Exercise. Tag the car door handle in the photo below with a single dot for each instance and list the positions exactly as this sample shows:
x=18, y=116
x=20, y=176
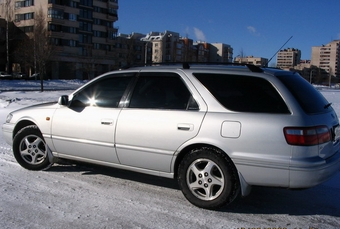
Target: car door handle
x=108, y=122
x=185, y=126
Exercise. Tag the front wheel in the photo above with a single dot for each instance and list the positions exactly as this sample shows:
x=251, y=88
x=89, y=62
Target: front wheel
x=208, y=178
x=30, y=149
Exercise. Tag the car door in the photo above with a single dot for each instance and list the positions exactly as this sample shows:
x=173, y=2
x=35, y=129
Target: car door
x=85, y=128
x=160, y=117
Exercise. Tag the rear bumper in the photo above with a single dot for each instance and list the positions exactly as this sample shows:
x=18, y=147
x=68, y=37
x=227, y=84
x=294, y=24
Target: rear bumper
x=315, y=171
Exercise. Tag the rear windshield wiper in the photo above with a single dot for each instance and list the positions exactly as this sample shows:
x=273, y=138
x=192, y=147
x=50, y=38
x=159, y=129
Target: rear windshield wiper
x=327, y=105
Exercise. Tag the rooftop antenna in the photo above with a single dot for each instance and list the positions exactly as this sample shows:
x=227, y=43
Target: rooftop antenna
x=279, y=50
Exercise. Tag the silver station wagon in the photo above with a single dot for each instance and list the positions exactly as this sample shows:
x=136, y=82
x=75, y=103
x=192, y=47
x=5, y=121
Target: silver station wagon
x=218, y=130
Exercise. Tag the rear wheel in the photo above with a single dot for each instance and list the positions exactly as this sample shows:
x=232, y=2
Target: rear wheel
x=30, y=149
x=208, y=178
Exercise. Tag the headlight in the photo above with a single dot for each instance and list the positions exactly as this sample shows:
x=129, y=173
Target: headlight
x=9, y=117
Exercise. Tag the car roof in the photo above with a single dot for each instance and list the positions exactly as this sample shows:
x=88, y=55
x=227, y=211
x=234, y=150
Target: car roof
x=209, y=66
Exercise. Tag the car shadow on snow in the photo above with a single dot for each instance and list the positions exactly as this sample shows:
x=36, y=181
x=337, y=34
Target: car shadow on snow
x=320, y=200
x=91, y=169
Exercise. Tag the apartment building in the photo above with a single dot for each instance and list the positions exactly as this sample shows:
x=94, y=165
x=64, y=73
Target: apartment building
x=327, y=57
x=131, y=50
x=258, y=61
x=220, y=52
x=288, y=58
x=202, y=51
x=82, y=30
x=166, y=46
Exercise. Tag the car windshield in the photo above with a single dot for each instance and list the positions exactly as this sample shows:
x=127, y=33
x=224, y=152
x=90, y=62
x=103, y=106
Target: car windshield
x=311, y=100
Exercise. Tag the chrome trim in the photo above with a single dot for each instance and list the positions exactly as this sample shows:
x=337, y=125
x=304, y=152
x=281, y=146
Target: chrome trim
x=84, y=141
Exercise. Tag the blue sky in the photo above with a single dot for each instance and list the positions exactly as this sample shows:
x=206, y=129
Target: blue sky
x=254, y=27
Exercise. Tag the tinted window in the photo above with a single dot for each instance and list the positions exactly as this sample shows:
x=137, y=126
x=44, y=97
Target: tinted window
x=243, y=93
x=160, y=91
x=307, y=96
x=106, y=92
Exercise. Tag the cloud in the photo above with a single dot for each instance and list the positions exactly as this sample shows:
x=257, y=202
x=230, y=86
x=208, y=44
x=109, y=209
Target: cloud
x=199, y=34
x=253, y=30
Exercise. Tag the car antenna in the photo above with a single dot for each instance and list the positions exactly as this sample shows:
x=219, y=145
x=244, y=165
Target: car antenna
x=278, y=50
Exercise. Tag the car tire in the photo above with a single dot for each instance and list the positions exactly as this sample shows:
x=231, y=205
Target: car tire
x=208, y=178
x=30, y=149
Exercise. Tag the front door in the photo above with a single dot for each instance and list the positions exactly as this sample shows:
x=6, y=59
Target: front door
x=85, y=128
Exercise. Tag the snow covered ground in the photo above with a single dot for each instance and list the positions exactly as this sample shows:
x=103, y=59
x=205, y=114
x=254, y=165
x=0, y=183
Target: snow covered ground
x=84, y=196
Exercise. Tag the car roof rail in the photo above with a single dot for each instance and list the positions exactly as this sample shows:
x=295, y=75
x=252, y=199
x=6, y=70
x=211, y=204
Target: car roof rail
x=186, y=65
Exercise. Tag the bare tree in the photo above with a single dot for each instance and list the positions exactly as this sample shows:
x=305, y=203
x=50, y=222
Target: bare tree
x=43, y=48
x=7, y=9
x=89, y=62
x=242, y=53
x=23, y=53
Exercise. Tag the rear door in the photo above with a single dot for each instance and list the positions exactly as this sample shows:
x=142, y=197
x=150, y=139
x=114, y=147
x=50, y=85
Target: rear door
x=160, y=117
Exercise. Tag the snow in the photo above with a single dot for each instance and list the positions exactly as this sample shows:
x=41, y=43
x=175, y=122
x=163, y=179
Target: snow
x=86, y=196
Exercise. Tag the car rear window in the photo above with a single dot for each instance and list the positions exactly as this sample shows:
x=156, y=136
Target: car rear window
x=310, y=99
x=243, y=93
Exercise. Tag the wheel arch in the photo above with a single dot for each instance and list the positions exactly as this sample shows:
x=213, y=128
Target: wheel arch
x=188, y=148
x=21, y=124
x=245, y=188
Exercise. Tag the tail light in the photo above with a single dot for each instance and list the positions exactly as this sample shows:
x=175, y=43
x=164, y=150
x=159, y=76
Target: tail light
x=307, y=136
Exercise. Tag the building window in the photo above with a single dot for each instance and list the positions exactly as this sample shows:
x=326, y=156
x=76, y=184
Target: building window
x=72, y=30
x=21, y=17
x=96, y=46
x=54, y=28
x=86, y=2
x=84, y=38
x=112, y=12
x=85, y=14
x=24, y=4
x=112, y=35
x=85, y=26
x=72, y=17
x=54, y=13
x=73, y=43
x=56, y=41
x=73, y=4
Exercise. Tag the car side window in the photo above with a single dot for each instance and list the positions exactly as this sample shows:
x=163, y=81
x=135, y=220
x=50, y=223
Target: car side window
x=161, y=91
x=106, y=92
x=244, y=93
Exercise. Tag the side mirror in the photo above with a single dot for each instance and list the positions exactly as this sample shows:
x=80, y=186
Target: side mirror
x=63, y=100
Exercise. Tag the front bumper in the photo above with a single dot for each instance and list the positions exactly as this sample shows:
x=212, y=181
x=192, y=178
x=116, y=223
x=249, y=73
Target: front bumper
x=7, y=132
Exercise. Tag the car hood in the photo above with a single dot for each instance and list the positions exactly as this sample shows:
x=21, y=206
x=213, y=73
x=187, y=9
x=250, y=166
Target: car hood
x=38, y=106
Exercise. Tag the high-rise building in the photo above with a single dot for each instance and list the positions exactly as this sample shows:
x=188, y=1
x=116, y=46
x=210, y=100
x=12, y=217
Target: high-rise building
x=82, y=30
x=327, y=57
x=288, y=58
